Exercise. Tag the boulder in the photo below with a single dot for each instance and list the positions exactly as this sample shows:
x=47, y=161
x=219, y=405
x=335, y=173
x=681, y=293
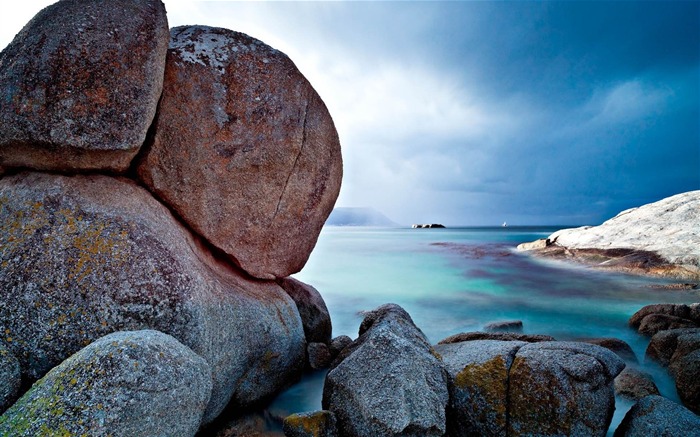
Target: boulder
x=663, y=344
x=339, y=343
x=685, y=370
x=634, y=384
x=503, y=336
x=562, y=388
x=658, y=416
x=243, y=149
x=316, y=424
x=84, y=256
x=683, y=311
x=312, y=309
x=126, y=384
x=533, y=245
x=504, y=326
x=389, y=381
x=10, y=378
x=255, y=424
x=319, y=355
x=80, y=85
x=478, y=385
x=654, y=323
x=620, y=347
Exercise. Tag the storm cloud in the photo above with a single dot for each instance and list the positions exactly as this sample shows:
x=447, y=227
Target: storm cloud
x=475, y=113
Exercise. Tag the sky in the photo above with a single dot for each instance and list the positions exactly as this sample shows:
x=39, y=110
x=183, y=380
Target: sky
x=476, y=113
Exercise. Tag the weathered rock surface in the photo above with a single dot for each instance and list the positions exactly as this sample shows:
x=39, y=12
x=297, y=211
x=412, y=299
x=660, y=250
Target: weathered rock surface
x=319, y=355
x=80, y=85
x=504, y=336
x=339, y=343
x=504, y=326
x=84, y=256
x=388, y=382
x=654, y=323
x=620, y=347
x=10, y=378
x=685, y=370
x=312, y=309
x=658, y=416
x=316, y=424
x=125, y=384
x=663, y=344
x=478, y=385
x=244, y=150
x=634, y=384
x=660, y=238
x=655, y=318
x=562, y=388
x=253, y=424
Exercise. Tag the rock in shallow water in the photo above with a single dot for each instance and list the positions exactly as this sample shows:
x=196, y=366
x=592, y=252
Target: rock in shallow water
x=139, y=383
x=388, y=382
x=244, y=149
x=634, y=384
x=316, y=424
x=80, y=85
x=84, y=256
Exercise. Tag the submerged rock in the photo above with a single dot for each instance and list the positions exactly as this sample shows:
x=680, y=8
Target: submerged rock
x=244, y=150
x=312, y=309
x=388, y=382
x=478, y=385
x=634, y=384
x=80, y=85
x=84, y=256
x=504, y=326
x=658, y=416
x=10, y=378
x=660, y=238
x=316, y=424
x=562, y=388
x=126, y=384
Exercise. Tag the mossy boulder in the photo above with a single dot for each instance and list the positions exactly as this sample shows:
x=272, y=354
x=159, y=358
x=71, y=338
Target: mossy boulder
x=138, y=383
x=10, y=378
x=315, y=424
x=478, y=385
x=84, y=256
x=389, y=382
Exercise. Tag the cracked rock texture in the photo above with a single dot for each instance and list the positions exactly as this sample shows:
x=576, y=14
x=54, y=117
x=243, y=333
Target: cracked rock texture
x=243, y=149
x=84, y=256
x=79, y=85
x=108, y=388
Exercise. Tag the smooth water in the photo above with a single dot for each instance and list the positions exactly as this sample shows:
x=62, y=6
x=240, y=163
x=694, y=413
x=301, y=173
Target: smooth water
x=458, y=279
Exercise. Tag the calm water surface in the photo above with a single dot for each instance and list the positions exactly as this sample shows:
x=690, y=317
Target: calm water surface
x=458, y=279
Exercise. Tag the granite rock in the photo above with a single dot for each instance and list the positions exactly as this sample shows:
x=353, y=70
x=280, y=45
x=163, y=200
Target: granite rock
x=634, y=384
x=658, y=416
x=315, y=424
x=10, y=378
x=312, y=309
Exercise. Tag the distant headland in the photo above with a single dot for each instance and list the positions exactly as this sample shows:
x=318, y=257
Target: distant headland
x=358, y=216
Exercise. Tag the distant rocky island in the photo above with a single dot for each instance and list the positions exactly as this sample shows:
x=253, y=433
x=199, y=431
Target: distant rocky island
x=427, y=226
x=358, y=216
x=657, y=239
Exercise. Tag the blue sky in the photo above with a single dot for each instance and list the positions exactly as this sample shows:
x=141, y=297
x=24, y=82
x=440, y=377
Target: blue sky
x=477, y=113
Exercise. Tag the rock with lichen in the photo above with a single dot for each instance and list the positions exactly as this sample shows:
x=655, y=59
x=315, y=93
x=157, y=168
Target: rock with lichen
x=634, y=384
x=84, y=256
x=562, y=388
x=478, y=385
x=130, y=383
x=10, y=378
x=389, y=382
x=243, y=149
x=315, y=424
x=80, y=85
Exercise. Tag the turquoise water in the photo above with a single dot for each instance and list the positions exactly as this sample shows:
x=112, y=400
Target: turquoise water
x=458, y=279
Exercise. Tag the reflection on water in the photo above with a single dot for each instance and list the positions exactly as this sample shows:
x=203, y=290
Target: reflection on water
x=456, y=280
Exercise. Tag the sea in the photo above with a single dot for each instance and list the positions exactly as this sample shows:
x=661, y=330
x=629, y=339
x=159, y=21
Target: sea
x=458, y=279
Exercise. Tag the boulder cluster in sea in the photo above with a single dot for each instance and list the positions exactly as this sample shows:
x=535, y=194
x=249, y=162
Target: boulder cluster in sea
x=157, y=188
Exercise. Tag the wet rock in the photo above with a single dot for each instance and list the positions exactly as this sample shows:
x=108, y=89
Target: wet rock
x=620, y=347
x=503, y=336
x=654, y=323
x=634, y=384
x=338, y=344
x=316, y=424
x=685, y=370
x=478, y=385
x=504, y=326
x=562, y=388
x=404, y=390
x=312, y=309
x=10, y=378
x=689, y=312
x=663, y=344
x=658, y=416
x=126, y=383
x=84, y=256
x=81, y=82
x=319, y=355
x=244, y=150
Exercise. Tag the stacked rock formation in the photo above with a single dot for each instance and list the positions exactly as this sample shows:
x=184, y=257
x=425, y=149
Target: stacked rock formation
x=118, y=213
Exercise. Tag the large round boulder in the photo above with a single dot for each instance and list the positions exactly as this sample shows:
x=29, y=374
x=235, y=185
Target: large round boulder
x=389, y=381
x=243, y=149
x=80, y=85
x=137, y=383
x=562, y=388
x=658, y=416
x=84, y=256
